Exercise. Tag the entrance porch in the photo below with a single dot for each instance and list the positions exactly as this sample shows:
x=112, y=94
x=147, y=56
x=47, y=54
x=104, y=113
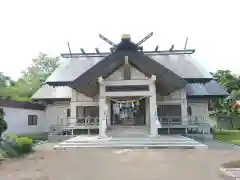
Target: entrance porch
x=128, y=105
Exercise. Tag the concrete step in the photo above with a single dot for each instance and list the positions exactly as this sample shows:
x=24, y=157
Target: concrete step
x=128, y=143
x=141, y=138
x=131, y=142
x=135, y=146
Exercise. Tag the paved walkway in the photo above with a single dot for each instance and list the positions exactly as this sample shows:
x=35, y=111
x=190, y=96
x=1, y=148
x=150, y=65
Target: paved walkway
x=217, y=145
x=109, y=164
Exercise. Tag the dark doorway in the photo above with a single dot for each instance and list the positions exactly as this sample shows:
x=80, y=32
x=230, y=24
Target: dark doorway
x=129, y=114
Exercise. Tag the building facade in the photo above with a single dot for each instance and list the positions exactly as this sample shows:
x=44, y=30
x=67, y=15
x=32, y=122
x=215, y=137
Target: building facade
x=162, y=92
x=24, y=118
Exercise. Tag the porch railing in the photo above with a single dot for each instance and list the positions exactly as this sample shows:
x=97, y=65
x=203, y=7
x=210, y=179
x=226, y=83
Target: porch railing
x=177, y=120
x=79, y=122
x=85, y=121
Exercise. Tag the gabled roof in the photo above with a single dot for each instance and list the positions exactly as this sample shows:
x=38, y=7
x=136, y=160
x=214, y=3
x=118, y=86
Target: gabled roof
x=166, y=80
x=183, y=65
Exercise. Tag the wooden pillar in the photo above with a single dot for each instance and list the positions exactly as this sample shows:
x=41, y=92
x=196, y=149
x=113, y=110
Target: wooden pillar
x=184, y=107
x=73, y=118
x=102, y=109
x=152, y=109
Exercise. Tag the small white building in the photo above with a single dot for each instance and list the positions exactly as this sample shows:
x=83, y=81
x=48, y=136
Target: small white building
x=24, y=118
x=161, y=92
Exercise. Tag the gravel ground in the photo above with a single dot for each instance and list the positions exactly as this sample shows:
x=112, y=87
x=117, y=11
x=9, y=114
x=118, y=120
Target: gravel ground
x=109, y=164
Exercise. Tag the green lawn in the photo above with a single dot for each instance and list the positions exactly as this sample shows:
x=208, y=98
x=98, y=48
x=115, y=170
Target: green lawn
x=229, y=136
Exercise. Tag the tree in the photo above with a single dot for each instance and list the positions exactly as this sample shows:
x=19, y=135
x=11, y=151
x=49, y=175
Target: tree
x=225, y=107
x=227, y=79
x=5, y=82
x=3, y=123
x=33, y=77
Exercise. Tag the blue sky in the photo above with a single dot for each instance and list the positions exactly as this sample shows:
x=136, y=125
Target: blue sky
x=29, y=27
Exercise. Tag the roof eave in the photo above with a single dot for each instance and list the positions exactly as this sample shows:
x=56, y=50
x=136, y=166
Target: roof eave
x=59, y=83
x=198, y=80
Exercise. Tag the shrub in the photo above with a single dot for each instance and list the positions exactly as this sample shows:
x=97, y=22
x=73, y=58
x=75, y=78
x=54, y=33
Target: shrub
x=23, y=145
x=3, y=123
x=7, y=149
x=15, y=145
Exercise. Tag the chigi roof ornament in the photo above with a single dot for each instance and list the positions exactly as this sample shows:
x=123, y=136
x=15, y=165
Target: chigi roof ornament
x=126, y=44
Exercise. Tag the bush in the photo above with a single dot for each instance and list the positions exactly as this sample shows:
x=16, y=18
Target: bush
x=15, y=145
x=7, y=150
x=23, y=145
x=3, y=123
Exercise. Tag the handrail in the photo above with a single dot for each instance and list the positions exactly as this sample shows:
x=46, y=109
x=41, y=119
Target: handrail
x=87, y=121
x=177, y=120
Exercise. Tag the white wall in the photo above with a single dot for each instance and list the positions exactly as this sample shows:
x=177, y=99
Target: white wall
x=17, y=120
x=199, y=110
x=56, y=114
x=176, y=98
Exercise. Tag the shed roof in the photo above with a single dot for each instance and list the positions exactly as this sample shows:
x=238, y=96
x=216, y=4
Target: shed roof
x=211, y=88
x=49, y=92
x=20, y=104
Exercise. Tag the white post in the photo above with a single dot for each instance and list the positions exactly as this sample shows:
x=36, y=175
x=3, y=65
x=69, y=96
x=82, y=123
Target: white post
x=184, y=106
x=153, y=105
x=102, y=109
x=73, y=118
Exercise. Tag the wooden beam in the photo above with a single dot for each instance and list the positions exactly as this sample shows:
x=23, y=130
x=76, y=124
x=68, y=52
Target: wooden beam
x=104, y=54
x=128, y=82
x=97, y=51
x=128, y=93
x=82, y=50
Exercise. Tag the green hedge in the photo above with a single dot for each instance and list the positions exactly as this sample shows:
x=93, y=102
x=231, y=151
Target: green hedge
x=14, y=146
x=23, y=145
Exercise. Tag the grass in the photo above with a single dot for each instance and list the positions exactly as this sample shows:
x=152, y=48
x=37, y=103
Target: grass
x=228, y=136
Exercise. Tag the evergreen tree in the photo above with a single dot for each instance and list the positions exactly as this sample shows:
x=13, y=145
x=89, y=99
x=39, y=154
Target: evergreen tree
x=3, y=123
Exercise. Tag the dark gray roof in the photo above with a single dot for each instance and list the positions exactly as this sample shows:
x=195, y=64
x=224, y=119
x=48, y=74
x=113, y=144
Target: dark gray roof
x=183, y=65
x=72, y=68
x=212, y=88
x=49, y=92
x=166, y=80
x=21, y=105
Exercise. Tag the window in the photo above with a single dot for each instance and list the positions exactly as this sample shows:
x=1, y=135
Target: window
x=32, y=119
x=169, y=113
x=68, y=113
x=85, y=111
x=210, y=105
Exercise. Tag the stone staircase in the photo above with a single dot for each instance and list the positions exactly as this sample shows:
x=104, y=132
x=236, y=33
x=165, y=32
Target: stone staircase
x=126, y=131
x=131, y=142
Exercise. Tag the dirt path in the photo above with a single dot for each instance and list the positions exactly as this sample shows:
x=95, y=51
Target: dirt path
x=109, y=164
